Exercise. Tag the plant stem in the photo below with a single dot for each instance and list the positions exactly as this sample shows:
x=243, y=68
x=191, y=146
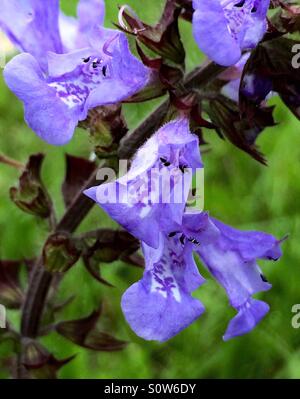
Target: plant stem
x=11, y=162
x=40, y=281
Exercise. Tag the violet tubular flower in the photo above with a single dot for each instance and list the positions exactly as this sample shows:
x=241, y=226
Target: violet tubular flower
x=151, y=197
x=160, y=304
x=59, y=95
x=232, y=261
x=223, y=29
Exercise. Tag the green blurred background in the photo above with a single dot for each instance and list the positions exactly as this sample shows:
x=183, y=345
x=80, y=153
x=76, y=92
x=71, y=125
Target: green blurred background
x=239, y=191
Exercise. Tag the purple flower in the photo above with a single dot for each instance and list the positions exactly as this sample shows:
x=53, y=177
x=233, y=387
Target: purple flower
x=232, y=260
x=76, y=82
x=36, y=26
x=223, y=29
x=151, y=198
x=160, y=304
x=58, y=90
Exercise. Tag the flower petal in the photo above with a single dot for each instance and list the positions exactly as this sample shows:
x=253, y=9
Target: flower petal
x=258, y=27
x=231, y=259
x=127, y=74
x=75, y=32
x=234, y=75
x=239, y=278
x=32, y=25
x=249, y=244
x=200, y=226
x=90, y=13
x=151, y=197
x=49, y=117
x=160, y=305
x=249, y=315
x=223, y=29
x=212, y=34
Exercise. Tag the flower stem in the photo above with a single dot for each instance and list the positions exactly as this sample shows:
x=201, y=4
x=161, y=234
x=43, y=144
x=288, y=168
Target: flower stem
x=41, y=279
x=11, y=162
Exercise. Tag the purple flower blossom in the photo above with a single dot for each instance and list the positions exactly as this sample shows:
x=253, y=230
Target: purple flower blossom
x=225, y=28
x=76, y=82
x=151, y=198
x=232, y=260
x=59, y=89
x=160, y=304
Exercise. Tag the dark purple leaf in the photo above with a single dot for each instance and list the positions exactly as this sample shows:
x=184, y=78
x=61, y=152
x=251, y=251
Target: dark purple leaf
x=84, y=332
x=242, y=132
x=39, y=363
x=31, y=196
x=270, y=68
x=11, y=294
x=107, y=127
x=163, y=38
x=60, y=253
x=78, y=171
x=106, y=246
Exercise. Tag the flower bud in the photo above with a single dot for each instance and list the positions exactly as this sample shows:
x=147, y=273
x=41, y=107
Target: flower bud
x=11, y=294
x=85, y=333
x=31, y=196
x=60, y=253
x=39, y=363
x=107, y=127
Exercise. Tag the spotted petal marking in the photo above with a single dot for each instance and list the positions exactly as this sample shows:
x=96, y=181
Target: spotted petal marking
x=163, y=272
x=160, y=305
x=73, y=88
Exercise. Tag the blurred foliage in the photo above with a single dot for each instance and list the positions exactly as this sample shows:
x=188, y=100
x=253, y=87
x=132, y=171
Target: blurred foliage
x=239, y=191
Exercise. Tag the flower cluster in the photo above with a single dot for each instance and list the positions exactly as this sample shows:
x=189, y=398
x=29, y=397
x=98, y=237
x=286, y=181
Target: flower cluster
x=160, y=305
x=69, y=66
